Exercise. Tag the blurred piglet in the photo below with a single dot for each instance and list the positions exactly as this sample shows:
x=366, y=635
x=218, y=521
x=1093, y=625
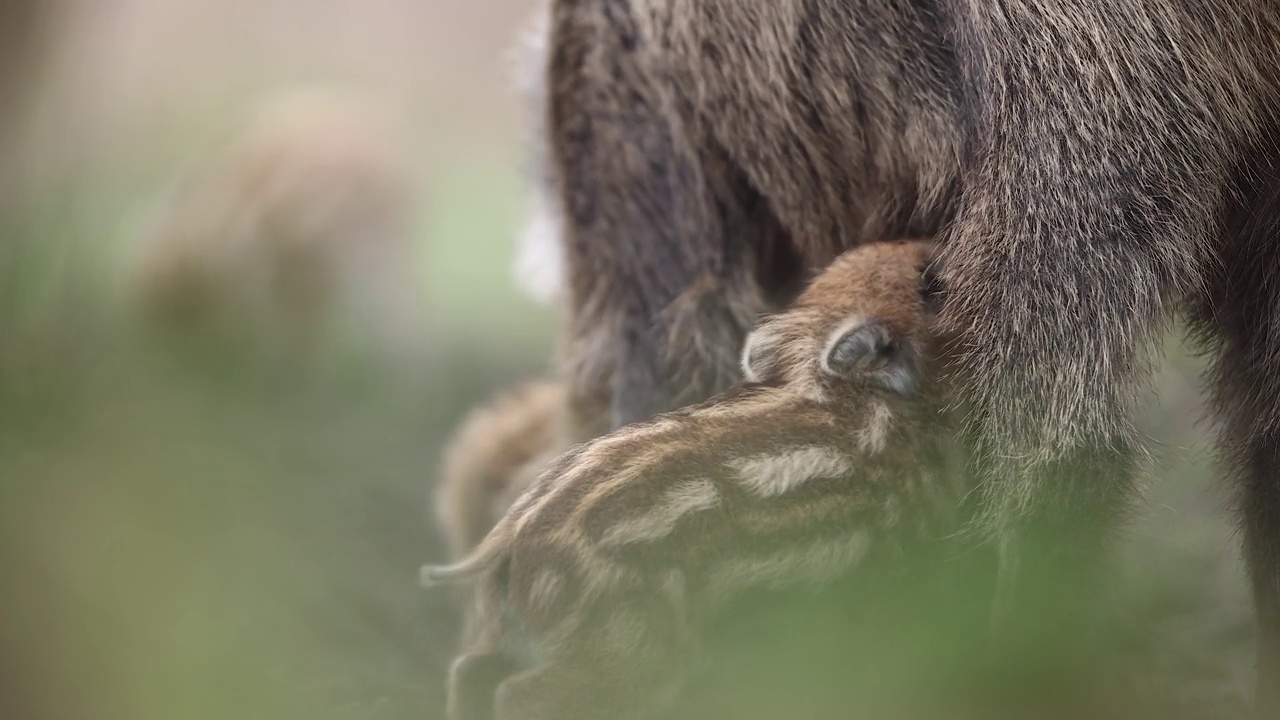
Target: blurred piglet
x=295, y=240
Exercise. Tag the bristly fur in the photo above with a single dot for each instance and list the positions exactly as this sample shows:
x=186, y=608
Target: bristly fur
x=590, y=588
x=1086, y=166
x=493, y=455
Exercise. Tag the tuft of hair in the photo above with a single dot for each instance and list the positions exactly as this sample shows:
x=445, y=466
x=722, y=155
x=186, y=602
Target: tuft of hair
x=539, y=266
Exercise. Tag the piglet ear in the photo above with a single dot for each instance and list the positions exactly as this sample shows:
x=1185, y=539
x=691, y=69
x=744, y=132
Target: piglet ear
x=760, y=354
x=872, y=352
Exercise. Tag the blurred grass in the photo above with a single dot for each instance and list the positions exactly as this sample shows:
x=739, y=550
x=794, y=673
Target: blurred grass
x=481, y=203
x=195, y=534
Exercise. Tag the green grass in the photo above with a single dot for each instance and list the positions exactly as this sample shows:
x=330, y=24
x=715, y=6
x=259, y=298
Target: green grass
x=197, y=535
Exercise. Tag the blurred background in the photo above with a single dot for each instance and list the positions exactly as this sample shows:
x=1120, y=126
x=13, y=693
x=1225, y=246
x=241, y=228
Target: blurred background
x=256, y=264
x=199, y=520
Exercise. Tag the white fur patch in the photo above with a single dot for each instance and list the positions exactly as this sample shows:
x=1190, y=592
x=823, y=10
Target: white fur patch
x=873, y=439
x=898, y=379
x=658, y=522
x=529, y=55
x=816, y=562
x=545, y=589
x=539, y=265
x=773, y=475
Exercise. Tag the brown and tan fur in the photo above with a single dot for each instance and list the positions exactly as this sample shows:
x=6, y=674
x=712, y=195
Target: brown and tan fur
x=592, y=587
x=1090, y=169
x=301, y=220
x=494, y=455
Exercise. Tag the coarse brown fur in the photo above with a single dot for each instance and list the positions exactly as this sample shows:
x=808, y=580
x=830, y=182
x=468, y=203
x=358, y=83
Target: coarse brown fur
x=1090, y=169
x=592, y=587
x=540, y=261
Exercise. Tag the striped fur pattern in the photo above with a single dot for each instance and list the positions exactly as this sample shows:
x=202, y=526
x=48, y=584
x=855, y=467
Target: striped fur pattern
x=495, y=454
x=592, y=586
